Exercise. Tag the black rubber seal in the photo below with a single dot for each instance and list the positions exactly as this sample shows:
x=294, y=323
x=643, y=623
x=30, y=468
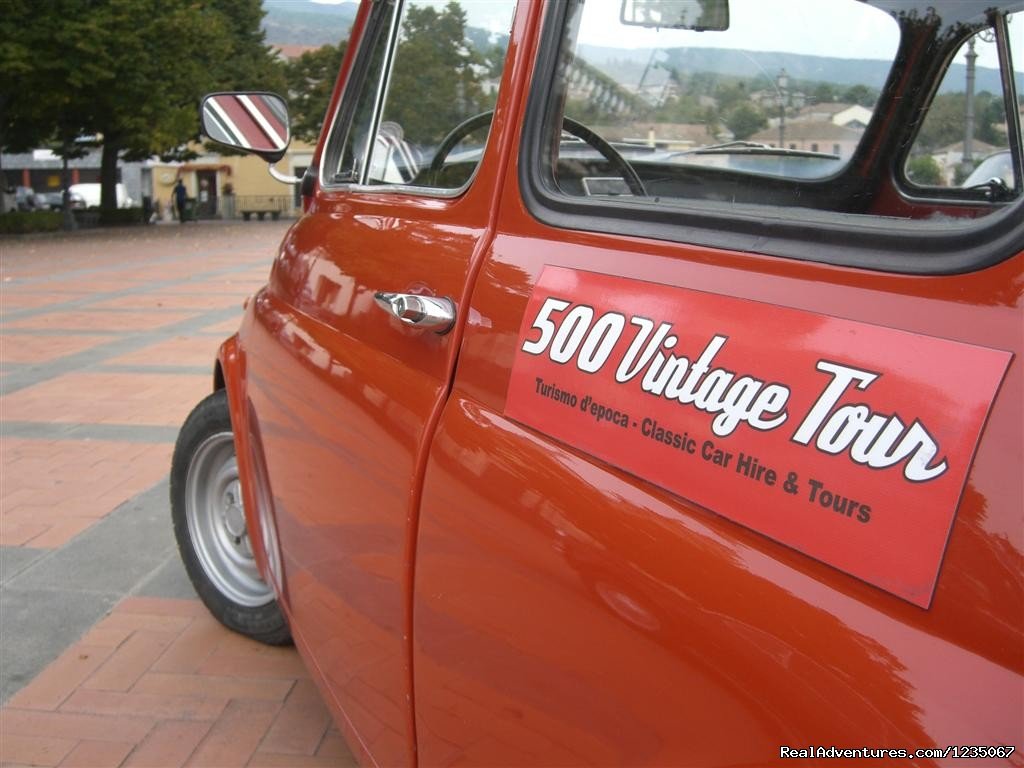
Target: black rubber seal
x=936, y=246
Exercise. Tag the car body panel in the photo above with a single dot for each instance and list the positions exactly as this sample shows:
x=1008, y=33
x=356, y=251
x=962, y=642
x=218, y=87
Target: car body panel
x=344, y=398
x=645, y=626
x=607, y=567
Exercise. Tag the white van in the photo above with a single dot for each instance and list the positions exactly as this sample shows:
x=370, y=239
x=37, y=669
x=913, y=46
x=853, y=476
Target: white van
x=88, y=196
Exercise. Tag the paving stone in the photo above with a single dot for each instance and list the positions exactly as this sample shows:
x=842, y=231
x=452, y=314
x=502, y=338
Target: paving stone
x=13, y=560
x=106, y=656
x=34, y=750
x=109, y=398
x=99, y=321
x=188, y=350
x=169, y=580
x=97, y=754
x=114, y=555
x=169, y=744
x=25, y=722
x=26, y=348
x=301, y=724
x=234, y=737
x=36, y=627
x=128, y=663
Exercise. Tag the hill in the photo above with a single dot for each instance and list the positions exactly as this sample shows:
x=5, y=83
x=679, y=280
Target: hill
x=308, y=23
x=627, y=64
x=292, y=23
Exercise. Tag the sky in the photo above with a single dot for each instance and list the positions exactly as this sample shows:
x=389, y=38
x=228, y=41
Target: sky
x=846, y=25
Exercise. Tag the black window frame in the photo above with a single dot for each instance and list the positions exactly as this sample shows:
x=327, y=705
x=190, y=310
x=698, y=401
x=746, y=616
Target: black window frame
x=359, y=78
x=339, y=133
x=955, y=195
x=916, y=247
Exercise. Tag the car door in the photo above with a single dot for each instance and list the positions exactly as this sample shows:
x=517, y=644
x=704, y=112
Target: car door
x=342, y=390
x=618, y=566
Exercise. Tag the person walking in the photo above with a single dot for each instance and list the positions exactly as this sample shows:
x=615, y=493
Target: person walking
x=179, y=200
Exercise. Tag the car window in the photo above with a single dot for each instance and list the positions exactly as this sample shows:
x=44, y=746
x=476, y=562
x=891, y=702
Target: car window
x=963, y=142
x=427, y=97
x=783, y=125
x=348, y=148
x=752, y=98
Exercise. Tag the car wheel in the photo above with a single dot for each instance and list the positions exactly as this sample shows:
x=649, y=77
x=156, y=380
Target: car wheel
x=209, y=524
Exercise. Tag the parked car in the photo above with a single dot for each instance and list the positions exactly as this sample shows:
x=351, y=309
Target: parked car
x=88, y=195
x=549, y=448
x=54, y=200
x=27, y=199
x=996, y=168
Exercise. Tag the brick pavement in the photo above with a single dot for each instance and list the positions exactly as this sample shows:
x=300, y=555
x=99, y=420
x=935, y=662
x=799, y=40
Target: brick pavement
x=107, y=339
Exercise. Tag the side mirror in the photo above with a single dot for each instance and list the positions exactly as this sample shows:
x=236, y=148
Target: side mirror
x=256, y=123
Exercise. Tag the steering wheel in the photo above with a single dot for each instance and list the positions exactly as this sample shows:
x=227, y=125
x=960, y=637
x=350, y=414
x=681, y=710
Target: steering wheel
x=570, y=126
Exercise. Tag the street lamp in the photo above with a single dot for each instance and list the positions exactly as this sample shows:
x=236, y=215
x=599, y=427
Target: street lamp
x=967, y=156
x=781, y=87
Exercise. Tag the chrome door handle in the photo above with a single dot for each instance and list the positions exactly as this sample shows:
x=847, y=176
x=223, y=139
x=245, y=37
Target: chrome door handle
x=421, y=311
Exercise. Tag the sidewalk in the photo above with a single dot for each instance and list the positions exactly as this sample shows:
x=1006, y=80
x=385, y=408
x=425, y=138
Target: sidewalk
x=107, y=340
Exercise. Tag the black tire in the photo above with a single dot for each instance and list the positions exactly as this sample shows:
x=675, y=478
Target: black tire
x=210, y=528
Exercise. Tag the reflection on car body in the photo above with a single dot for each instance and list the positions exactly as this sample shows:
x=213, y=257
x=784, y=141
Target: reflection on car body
x=552, y=445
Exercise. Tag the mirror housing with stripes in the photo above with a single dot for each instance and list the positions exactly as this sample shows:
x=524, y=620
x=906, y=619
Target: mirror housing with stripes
x=252, y=122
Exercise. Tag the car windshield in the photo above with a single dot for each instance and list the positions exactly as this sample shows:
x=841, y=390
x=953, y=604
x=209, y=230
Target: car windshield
x=786, y=89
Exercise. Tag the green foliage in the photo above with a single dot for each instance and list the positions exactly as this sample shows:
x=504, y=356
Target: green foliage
x=744, y=120
x=924, y=171
x=730, y=95
x=946, y=122
x=681, y=108
x=731, y=105
x=310, y=81
x=25, y=222
x=990, y=112
x=823, y=93
x=249, y=64
x=130, y=72
x=860, y=94
x=435, y=84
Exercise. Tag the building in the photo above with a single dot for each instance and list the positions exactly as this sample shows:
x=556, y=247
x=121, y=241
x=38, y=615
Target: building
x=41, y=170
x=813, y=136
x=847, y=115
x=232, y=186
x=244, y=179
x=951, y=157
x=670, y=136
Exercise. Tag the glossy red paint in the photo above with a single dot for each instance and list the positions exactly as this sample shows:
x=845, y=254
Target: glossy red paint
x=848, y=441
x=724, y=631
x=470, y=587
x=357, y=432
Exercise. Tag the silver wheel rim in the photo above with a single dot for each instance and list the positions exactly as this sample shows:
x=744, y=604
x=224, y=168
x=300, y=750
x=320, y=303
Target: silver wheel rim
x=216, y=523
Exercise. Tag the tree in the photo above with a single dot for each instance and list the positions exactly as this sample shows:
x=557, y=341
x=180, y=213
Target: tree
x=310, y=80
x=946, y=121
x=436, y=79
x=129, y=72
x=823, y=93
x=729, y=95
x=860, y=94
x=40, y=96
x=924, y=171
x=990, y=116
x=249, y=64
x=744, y=120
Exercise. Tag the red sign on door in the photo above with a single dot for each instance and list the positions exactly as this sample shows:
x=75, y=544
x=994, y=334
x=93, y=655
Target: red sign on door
x=849, y=442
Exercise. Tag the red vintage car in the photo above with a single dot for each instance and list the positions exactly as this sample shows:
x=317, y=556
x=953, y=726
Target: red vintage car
x=640, y=386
